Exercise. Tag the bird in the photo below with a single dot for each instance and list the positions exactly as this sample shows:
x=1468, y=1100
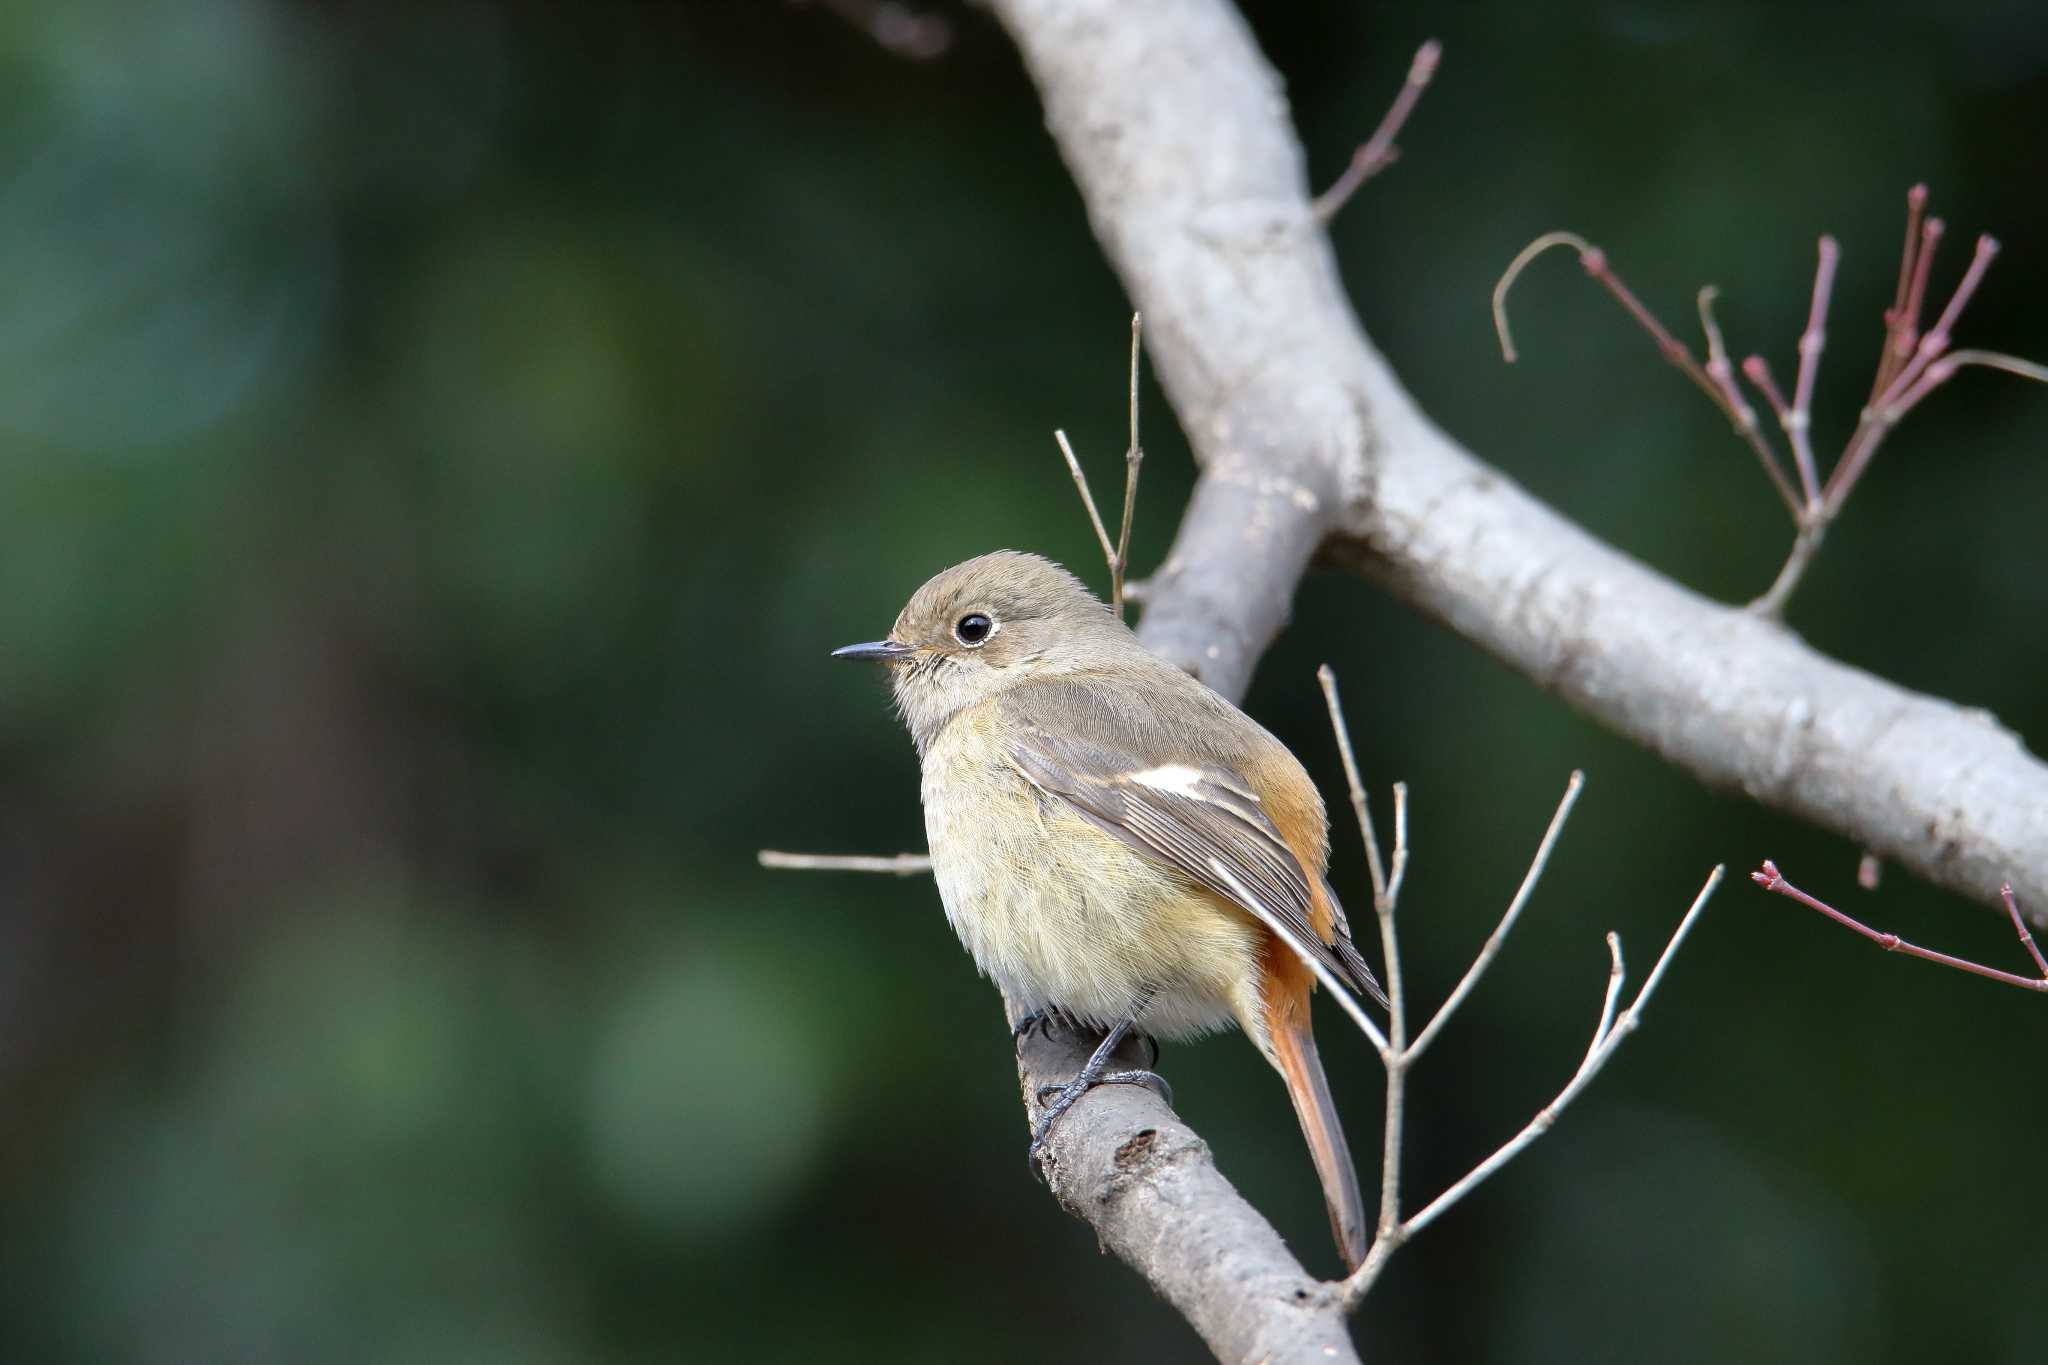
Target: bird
x=1116, y=845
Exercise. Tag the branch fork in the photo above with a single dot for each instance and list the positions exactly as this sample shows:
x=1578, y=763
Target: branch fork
x=1117, y=555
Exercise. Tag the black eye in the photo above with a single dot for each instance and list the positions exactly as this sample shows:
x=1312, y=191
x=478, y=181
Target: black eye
x=973, y=628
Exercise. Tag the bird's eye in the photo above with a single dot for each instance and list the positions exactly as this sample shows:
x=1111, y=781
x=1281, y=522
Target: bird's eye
x=974, y=628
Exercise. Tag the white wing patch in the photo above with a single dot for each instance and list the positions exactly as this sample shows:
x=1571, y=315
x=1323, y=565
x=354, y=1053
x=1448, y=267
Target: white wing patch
x=1173, y=777
x=1183, y=781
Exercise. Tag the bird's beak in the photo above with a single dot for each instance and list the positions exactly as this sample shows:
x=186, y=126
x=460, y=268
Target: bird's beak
x=876, y=651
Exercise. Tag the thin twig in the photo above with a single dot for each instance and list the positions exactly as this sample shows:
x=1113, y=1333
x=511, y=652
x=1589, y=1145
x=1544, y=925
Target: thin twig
x=1910, y=366
x=1879, y=417
x=2012, y=907
x=1937, y=341
x=1491, y=948
x=1087, y=500
x=1394, y=1058
x=1134, y=455
x=1723, y=374
x=1386, y=891
x=1807, y=514
x=1804, y=546
x=1398, y=1055
x=1757, y=371
x=1327, y=677
x=1799, y=421
x=1594, y=262
x=1514, y=271
x=1397, y=866
x=1895, y=316
x=1770, y=879
x=1379, y=152
x=1908, y=333
x=1596, y=1057
x=1116, y=556
x=902, y=865
x=1608, y=1035
x=1616, y=974
x=1938, y=373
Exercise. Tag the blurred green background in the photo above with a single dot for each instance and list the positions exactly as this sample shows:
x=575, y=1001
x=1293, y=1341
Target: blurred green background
x=440, y=446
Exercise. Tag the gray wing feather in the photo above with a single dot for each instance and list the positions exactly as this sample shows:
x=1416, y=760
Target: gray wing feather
x=1206, y=814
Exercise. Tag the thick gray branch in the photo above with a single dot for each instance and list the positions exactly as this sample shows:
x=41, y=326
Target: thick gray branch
x=1122, y=1162
x=1176, y=132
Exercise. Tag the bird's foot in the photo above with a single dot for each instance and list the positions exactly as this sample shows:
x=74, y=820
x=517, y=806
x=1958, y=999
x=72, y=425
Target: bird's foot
x=1058, y=1099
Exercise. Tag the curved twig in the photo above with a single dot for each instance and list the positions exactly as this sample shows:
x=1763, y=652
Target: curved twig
x=1514, y=271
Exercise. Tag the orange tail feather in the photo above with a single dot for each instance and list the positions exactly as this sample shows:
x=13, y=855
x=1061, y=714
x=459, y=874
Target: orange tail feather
x=1294, y=1054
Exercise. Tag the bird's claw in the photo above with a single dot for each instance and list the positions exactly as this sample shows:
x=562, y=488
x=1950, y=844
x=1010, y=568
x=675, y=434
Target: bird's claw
x=1058, y=1099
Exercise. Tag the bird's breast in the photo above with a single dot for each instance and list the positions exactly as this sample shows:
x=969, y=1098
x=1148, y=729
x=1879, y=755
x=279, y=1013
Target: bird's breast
x=1062, y=915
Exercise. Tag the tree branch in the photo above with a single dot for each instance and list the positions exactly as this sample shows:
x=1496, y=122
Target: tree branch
x=1770, y=879
x=1175, y=131
x=1194, y=184
x=1144, y=1181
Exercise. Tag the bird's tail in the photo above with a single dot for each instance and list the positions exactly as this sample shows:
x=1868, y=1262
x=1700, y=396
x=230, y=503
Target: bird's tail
x=1294, y=1054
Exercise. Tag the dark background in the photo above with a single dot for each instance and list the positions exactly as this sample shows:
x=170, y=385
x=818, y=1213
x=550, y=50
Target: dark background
x=440, y=446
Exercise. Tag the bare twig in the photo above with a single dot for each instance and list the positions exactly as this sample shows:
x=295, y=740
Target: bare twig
x=902, y=865
x=1939, y=372
x=1757, y=371
x=1134, y=455
x=2019, y=924
x=1491, y=948
x=1770, y=879
x=1906, y=331
x=1896, y=318
x=1385, y=891
x=1594, y=261
x=1394, y=1055
x=1514, y=272
x=1910, y=365
x=1087, y=499
x=1116, y=556
x=1327, y=677
x=1771, y=604
x=1605, y=1041
x=1722, y=391
x=1882, y=415
x=1398, y=1055
x=1799, y=420
x=1379, y=152
x=1738, y=408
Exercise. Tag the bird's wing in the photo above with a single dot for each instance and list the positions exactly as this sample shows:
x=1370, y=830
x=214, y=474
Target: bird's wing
x=1190, y=815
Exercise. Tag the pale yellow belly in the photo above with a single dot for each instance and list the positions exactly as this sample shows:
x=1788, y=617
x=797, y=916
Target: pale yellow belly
x=1061, y=915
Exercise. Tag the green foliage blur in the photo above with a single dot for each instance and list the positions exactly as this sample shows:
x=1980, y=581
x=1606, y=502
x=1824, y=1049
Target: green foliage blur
x=438, y=446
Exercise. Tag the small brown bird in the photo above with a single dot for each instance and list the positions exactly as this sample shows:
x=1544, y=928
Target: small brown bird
x=1115, y=843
